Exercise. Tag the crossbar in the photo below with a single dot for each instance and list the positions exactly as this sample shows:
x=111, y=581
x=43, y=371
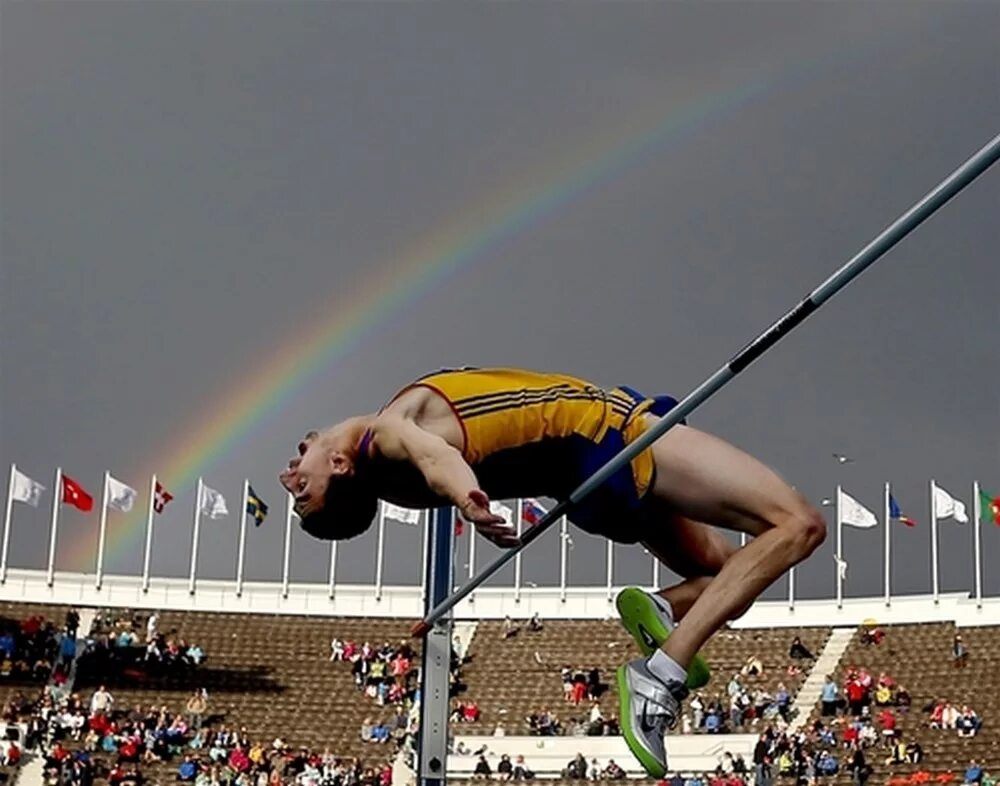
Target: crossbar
x=889, y=237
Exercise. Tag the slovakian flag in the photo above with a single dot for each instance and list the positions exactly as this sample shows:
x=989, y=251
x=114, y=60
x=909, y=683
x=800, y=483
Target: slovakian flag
x=532, y=511
x=895, y=512
x=989, y=504
x=76, y=495
x=161, y=497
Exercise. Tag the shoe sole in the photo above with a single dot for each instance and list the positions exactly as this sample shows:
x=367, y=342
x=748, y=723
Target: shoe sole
x=652, y=767
x=640, y=617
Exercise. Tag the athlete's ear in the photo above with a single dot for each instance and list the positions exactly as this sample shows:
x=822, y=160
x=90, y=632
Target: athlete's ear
x=340, y=464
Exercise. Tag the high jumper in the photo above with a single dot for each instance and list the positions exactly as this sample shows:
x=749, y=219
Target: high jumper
x=464, y=436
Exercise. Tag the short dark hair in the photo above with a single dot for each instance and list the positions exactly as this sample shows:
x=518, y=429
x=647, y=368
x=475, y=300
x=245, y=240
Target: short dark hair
x=349, y=508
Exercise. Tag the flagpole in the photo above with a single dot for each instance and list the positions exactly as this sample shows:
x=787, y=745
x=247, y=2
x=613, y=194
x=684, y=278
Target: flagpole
x=977, y=510
x=102, y=533
x=379, y=551
x=656, y=573
x=840, y=552
x=934, y=547
x=8, y=509
x=54, y=526
x=241, y=548
x=149, y=535
x=194, y=535
x=888, y=545
x=472, y=559
x=791, y=587
x=286, y=559
x=517, y=559
x=563, y=548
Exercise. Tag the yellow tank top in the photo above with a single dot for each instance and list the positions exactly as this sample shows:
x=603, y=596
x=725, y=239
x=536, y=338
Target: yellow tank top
x=501, y=408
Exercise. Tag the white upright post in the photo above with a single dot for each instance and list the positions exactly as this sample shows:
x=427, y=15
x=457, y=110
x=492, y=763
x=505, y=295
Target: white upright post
x=148, y=550
x=656, y=573
x=840, y=553
x=102, y=534
x=743, y=539
x=8, y=509
x=977, y=510
x=333, y=568
x=563, y=548
x=54, y=525
x=791, y=587
x=379, y=551
x=610, y=559
x=517, y=558
x=195, y=531
x=241, y=546
x=286, y=561
x=935, y=586
x=888, y=545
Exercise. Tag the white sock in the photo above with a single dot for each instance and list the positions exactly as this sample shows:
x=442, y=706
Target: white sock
x=665, y=668
x=664, y=605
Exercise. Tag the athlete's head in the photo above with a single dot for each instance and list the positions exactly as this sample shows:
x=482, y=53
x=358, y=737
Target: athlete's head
x=332, y=501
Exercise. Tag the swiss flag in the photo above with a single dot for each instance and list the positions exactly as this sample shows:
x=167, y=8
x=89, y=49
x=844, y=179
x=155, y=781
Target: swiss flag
x=161, y=498
x=74, y=494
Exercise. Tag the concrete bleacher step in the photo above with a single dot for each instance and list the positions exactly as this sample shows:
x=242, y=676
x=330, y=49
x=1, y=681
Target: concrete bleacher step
x=31, y=772
x=826, y=663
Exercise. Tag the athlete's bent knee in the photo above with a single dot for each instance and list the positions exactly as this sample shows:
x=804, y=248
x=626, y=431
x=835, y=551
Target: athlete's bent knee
x=810, y=530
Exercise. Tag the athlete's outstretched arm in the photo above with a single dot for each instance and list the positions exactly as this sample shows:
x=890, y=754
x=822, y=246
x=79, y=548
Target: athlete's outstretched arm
x=444, y=468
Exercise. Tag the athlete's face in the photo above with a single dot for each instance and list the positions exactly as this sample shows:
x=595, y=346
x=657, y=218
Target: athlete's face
x=308, y=474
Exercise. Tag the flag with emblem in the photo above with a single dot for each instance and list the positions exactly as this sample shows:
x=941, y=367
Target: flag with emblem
x=256, y=508
x=161, y=497
x=989, y=506
x=947, y=507
x=24, y=489
x=211, y=503
x=76, y=495
x=532, y=511
x=120, y=496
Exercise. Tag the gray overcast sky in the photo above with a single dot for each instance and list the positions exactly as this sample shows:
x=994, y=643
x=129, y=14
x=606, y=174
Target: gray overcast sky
x=187, y=188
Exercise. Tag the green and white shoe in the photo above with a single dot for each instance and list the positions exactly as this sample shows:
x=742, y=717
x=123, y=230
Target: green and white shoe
x=650, y=623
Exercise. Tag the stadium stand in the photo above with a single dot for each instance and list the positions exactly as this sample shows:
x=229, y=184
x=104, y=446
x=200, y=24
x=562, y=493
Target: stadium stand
x=271, y=676
x=920, y=658
x=511, y=678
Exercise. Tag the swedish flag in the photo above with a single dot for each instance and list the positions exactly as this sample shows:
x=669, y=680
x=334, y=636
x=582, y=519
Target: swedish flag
x=256, y=506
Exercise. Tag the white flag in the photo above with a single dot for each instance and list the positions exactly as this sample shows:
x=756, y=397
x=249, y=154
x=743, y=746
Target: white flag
x=26, y=489
x=503, y=511
x=402, y=515
x=212, y=503
x=854, y=514
x=946, y=506
x=120, y=496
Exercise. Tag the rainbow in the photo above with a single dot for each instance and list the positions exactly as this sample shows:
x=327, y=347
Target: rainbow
x=403, y=279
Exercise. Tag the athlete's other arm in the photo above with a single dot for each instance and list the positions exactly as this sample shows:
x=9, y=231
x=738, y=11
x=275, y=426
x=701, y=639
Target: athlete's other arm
x=444, y=468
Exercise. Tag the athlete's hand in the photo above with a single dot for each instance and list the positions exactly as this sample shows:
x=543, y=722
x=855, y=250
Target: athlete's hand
x=494, y=528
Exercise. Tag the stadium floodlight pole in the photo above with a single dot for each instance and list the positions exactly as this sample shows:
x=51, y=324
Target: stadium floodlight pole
x=889, y=237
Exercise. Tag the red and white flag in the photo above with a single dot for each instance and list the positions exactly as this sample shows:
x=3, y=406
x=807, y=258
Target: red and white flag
x=76, y=495
x=161, y=497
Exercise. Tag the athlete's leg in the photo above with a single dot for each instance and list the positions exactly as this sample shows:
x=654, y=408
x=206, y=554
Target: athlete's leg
x=691, y=549
x=701, y=477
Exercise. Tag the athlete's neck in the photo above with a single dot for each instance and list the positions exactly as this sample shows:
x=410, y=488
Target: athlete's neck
x=347, y=435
